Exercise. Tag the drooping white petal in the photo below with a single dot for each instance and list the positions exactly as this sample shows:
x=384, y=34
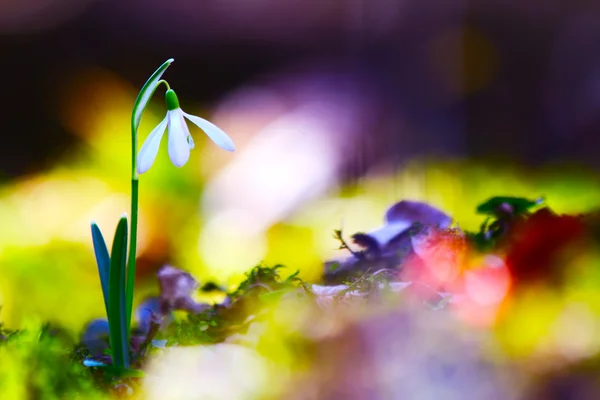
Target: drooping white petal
x=214, y=132
x=179, y=148
x=149, y=149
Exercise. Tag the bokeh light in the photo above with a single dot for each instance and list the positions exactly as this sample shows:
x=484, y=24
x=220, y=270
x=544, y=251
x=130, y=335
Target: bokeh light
x=338, y=109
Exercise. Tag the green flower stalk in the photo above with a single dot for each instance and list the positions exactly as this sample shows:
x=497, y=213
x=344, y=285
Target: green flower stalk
x=117, y=270
x=136, y=118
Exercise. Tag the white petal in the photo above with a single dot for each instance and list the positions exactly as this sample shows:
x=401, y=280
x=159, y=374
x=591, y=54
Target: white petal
x=149, y=150
x=179, y=148
x=214, y=132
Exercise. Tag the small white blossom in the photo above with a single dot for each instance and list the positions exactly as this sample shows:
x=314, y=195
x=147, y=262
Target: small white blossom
x=180, y=140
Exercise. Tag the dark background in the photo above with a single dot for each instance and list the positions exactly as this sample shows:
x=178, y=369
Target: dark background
x=538, y=101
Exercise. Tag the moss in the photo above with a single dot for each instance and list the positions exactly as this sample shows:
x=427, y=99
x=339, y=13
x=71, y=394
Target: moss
x=38, y=364
x=215, y=324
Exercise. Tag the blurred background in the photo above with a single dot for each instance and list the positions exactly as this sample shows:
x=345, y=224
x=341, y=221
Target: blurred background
x=338, y=109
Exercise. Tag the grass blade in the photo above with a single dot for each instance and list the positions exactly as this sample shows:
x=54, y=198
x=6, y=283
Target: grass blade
x=119, y=336
x=102, y=260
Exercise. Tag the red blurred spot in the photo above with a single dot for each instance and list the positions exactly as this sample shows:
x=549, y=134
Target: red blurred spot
x=487, y=286
x=538, y=242
x=439, y=260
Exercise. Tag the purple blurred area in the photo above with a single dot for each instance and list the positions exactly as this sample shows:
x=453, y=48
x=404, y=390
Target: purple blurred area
x=483, y=78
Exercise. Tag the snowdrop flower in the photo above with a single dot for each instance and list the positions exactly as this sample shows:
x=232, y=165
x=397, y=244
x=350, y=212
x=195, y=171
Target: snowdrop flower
x=180, y=140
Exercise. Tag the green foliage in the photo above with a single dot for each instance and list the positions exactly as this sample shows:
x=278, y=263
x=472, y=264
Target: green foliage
x=267, y=278
x=102, y=260
x=117, y=302
x=36, y=365
x=216, y=323
x=145, y=95
x=503, y=212
x=515, y=205
x=6, y=334
x=132, y=249
x=368, y=282
x=116, y=272
x=139, y=106
x=113, y=277
x=338, y=235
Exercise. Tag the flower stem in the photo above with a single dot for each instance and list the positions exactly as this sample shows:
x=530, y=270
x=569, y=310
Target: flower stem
x=130, y=281
x=134, y=222
x=136, y=116
x=165, y=83
x=132, y=248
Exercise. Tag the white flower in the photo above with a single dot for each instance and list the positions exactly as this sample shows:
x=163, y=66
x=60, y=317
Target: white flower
x=180, y=140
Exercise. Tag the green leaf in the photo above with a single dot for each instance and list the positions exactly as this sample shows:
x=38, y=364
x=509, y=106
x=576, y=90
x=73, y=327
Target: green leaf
x=519, y=205
x=146, y=94
x=293, y=277
x=102, y=260
x=119, y=336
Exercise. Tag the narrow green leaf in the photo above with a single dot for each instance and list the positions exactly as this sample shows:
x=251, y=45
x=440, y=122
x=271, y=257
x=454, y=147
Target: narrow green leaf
x=146, y=94
x=102, y=260
x=119, y=336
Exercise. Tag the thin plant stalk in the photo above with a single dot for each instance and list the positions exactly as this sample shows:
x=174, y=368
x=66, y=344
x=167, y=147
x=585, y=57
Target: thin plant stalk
x=134, y=218
x=136, y=117
x=132, y=249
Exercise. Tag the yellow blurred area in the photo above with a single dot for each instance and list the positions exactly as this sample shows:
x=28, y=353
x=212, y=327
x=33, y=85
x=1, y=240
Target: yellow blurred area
x=551, y=326
x=13, y=371
x=47, y=267
x=33, y=366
